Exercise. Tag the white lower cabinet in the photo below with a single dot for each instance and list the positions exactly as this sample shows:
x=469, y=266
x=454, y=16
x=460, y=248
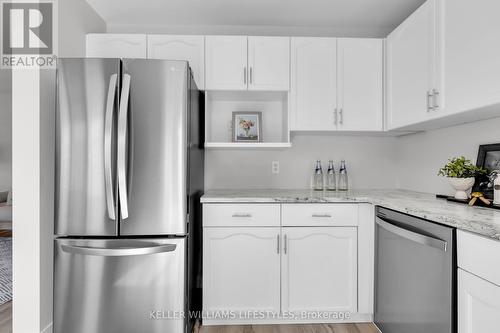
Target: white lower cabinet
x=319, y=269
x=241, y=269
x=478, y=304
x=258, y=257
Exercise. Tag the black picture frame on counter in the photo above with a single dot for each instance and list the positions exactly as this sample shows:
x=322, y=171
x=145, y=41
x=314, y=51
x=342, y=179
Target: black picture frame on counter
x=488, y=157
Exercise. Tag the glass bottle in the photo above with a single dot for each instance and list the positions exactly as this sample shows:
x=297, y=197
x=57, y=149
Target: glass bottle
x=331, y=181
x=318, y=177
x=343, y=180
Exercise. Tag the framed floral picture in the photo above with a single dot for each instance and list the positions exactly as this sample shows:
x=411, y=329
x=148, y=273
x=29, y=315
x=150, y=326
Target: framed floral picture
x=247, y=126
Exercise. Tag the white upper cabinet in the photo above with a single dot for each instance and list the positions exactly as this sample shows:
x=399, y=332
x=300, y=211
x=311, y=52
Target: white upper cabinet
x=226, y=63
x=247, y=63
x=180, y=47
x=360, y=84
x=412, y=68
x=313, y=98
x=116, y=46
x=269, y=63
x=471, y=53
x=319, y=269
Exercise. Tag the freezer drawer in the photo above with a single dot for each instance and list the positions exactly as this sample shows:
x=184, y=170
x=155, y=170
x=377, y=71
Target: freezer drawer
x=118, y=285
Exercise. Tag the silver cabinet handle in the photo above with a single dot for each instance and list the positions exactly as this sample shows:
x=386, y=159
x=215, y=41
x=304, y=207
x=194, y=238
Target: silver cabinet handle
x=285, y=244
x=322, y=215
x=413, y=236
x=122, y=147
x=341, y=116
x=278, y=241
x=242, y=215
x=429, y=101
x=251, y=75
x=118, y=252
x=435, y=104
x=108, y=139
x=335, y=113
x=244, y=75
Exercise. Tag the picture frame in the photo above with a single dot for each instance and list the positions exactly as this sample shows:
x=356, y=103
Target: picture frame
x=247, y=126
x=488, y=157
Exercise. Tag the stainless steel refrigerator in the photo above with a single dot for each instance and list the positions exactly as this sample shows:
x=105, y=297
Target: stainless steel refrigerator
x=129, y=175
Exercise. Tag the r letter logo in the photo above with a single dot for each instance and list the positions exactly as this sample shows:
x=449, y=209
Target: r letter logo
x=27, y=29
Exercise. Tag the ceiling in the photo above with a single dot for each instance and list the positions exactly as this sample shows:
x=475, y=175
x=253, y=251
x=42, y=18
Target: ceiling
x=376, y=16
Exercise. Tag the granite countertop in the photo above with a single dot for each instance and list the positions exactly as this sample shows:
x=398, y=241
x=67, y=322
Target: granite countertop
x=479, y=220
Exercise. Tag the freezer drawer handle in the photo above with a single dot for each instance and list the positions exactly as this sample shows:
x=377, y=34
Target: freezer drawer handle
x=119, y=252
x=242, y=215
x=322, y=215
x=413, y=236
x=122, y=147
x=110, y=104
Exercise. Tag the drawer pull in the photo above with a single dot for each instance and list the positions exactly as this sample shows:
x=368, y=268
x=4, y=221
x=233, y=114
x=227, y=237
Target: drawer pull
x=242, y=215
x=322, y=215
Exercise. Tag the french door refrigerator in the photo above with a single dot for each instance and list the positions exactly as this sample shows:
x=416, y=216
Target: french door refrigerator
x=129, y=175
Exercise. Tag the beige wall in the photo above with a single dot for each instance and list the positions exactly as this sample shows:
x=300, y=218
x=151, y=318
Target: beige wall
x=419, y=156
x=370, y=163
x=5, y=130
x=76, y=19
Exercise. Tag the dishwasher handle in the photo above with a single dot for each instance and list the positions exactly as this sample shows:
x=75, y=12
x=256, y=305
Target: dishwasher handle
x=412, y=235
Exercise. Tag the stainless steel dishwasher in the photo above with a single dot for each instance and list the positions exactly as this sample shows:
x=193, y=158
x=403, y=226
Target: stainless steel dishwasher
x=415, y=275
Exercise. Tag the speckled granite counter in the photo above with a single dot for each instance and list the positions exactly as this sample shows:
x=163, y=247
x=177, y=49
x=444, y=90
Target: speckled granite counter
x=482, y=221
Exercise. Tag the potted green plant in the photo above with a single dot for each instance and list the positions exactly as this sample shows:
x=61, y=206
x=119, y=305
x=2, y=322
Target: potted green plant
x=461, y=174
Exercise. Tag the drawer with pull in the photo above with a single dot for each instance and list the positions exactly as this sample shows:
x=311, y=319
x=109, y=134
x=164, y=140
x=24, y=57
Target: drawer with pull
x=241, y=215
x=320, y=215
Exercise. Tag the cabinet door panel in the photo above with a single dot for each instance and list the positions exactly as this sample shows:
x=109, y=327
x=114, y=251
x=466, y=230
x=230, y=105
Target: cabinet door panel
x=179, y=47
x=410, y=53
x=360, y=79
x=319, y=269
x=241, y=269
x=313, y=94
x=226, y=62
x=269, y=63
x=472, y=54
x=478, y=304
x=116, y=46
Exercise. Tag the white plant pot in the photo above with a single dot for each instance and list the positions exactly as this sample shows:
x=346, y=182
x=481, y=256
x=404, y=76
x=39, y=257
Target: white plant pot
x=462, y=186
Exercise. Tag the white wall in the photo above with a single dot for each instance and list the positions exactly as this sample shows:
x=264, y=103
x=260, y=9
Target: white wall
x=5, y=130
x=76, y=19
x=253, y=30
x=419, y=156
x=370, y=163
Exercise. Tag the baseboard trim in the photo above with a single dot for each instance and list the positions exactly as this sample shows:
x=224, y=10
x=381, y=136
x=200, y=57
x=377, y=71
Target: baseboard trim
x=357, y=318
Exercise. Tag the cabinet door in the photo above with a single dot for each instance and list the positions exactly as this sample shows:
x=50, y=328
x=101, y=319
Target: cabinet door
x=241, y=269
x=313, y=97
x=178, y=47
x=478, y=304
x=410, y=71
x=269, y=63
x=360, y=79
x=226, y=63
x=319, y=269
x=116, y=46
x=472, y=54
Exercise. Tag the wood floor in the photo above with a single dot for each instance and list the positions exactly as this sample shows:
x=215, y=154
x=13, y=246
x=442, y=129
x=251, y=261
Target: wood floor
x=6, y=317
x=317, y=328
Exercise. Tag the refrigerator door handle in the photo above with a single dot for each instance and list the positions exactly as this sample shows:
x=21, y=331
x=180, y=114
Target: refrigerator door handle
x=118, y=252
x=122, y=146
x=108, y=132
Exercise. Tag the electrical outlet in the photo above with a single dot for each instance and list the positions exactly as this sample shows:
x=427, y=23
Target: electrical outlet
x=275, y=167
